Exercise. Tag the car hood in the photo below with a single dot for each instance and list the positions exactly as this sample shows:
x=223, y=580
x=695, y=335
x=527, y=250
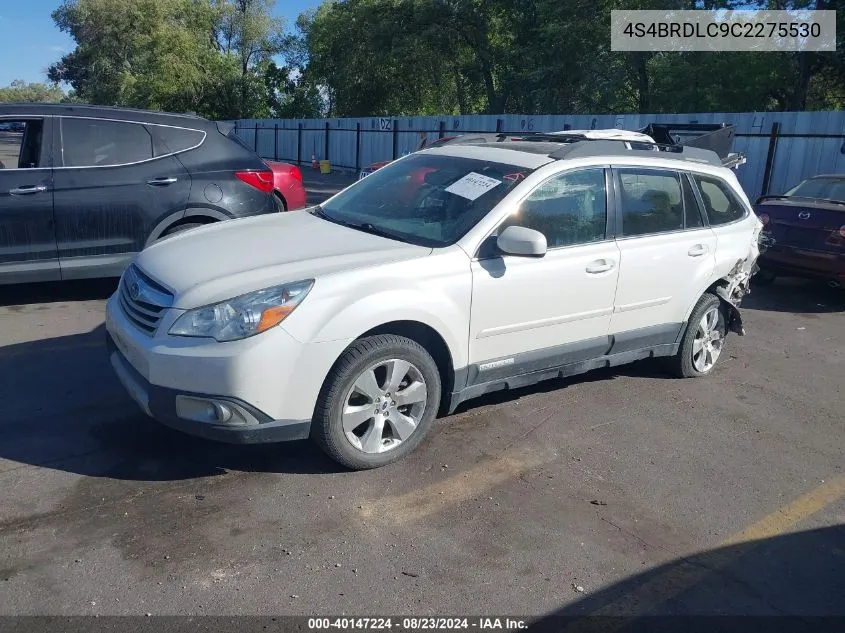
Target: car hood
x=230, y=258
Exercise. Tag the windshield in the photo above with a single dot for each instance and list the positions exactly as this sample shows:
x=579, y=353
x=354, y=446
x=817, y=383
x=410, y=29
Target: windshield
x=425, y=199
x=826, y=188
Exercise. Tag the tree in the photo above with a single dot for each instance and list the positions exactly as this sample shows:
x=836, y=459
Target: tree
x=204, y=56
x=21, y=92
x=383, y=57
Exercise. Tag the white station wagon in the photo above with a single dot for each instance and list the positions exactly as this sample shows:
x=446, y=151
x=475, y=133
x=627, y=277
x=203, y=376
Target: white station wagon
x=448, y=274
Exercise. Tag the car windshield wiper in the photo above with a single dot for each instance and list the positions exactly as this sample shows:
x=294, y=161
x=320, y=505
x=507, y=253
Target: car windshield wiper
x=318, y=211
x=366, y=227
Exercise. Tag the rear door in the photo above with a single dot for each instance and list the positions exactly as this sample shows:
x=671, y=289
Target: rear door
x=115, y=183
x=667, y=256
x=27, y=236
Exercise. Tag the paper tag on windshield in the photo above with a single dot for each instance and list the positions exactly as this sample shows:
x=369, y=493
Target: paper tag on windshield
x=473, y=186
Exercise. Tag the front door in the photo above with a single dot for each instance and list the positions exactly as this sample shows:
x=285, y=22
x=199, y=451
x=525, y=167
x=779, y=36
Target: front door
x=530, y=314
x=110, y=192
x=27, y=236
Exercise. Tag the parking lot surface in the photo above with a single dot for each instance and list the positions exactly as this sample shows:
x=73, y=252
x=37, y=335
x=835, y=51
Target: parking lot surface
x=620, y=492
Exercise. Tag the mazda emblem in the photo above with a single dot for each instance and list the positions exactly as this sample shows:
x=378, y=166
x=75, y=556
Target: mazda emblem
x=804, y=215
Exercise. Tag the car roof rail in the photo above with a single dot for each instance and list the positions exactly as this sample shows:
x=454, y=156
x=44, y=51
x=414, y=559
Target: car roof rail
x=586, y=149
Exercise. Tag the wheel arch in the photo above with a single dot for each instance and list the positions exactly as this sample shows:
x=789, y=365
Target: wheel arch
x=719, y=288
x=192, y=216
x=430, y=339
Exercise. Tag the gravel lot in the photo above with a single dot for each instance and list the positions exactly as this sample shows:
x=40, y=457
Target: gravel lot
x=619, y=492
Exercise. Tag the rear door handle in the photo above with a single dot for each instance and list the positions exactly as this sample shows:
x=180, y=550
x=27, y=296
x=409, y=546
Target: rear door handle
x=27, y=189
x=600, y=266
x=160, y=182
x=698, y=250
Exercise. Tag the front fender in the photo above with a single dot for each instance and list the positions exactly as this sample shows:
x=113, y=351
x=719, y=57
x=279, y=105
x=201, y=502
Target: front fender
x=330, y=316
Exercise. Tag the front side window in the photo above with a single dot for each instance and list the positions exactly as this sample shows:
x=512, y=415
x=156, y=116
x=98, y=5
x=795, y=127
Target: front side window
x=425, y=199
x=720, y=202
x=569, y=209
x=101, y=143
x=20, y=144
x=651, y=201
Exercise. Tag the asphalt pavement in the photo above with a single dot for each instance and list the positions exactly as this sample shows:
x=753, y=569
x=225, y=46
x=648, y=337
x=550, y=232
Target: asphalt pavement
x=620, y=492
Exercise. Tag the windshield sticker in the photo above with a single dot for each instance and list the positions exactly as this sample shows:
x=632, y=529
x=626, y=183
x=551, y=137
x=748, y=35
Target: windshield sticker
x=473, y=186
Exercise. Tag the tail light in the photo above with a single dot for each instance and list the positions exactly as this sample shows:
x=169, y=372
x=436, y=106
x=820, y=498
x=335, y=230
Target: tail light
x=261, y=180
x=295, y=173
x=764, y=218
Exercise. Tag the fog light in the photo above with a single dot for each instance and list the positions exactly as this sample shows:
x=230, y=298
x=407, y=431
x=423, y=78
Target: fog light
x=209, y=411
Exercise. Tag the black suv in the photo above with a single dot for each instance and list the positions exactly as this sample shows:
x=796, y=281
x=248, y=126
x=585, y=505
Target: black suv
x=84, y=188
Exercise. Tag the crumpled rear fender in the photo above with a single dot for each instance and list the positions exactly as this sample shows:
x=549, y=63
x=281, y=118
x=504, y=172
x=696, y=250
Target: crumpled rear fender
x=733, y=287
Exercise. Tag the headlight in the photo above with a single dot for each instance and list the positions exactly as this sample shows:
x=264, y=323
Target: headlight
x=243, y=316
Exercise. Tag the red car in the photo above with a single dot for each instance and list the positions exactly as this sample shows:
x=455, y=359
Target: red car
x=287, y=185
x=807, y=226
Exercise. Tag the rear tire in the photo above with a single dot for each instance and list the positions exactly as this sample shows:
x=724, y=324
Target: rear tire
x=703, y=340
x=280, y=201
x=377, y=403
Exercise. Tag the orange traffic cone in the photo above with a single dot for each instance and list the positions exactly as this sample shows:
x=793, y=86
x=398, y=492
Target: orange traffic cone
x=314, y=163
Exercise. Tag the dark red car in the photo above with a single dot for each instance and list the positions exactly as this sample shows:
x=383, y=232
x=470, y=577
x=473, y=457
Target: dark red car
x=807, y=226
x=287, y=185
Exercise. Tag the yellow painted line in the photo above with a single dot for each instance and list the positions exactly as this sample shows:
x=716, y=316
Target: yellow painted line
x=454, y=490
x=790, y=515
x=684, y=575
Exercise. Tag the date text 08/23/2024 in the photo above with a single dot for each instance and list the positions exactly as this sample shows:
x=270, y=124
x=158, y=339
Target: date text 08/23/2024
x=416, y=624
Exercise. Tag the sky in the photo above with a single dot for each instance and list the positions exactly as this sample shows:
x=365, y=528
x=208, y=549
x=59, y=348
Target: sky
x=30, y=42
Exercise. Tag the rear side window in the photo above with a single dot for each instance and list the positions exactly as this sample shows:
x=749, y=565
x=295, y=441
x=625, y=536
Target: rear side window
x=171, y=140
x=720, y=202
x=651, y=200
x=20, y=144
x=100, y=143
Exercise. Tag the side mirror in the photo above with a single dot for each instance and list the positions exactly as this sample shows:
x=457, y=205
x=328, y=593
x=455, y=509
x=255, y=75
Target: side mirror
x=518, y=240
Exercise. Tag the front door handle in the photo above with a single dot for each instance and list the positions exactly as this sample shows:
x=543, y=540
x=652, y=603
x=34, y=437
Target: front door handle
x=27, y=189
x=600, y=266
x=160, y=182
x=698, y=250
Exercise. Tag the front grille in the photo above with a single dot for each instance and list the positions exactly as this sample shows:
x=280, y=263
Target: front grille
x=143, y=300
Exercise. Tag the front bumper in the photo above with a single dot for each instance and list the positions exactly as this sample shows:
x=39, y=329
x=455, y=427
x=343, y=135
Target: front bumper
x=260, y=389
x=160, y=403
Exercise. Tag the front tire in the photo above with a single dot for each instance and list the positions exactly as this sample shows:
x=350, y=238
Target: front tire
x=703, y=340
x=378, y=402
